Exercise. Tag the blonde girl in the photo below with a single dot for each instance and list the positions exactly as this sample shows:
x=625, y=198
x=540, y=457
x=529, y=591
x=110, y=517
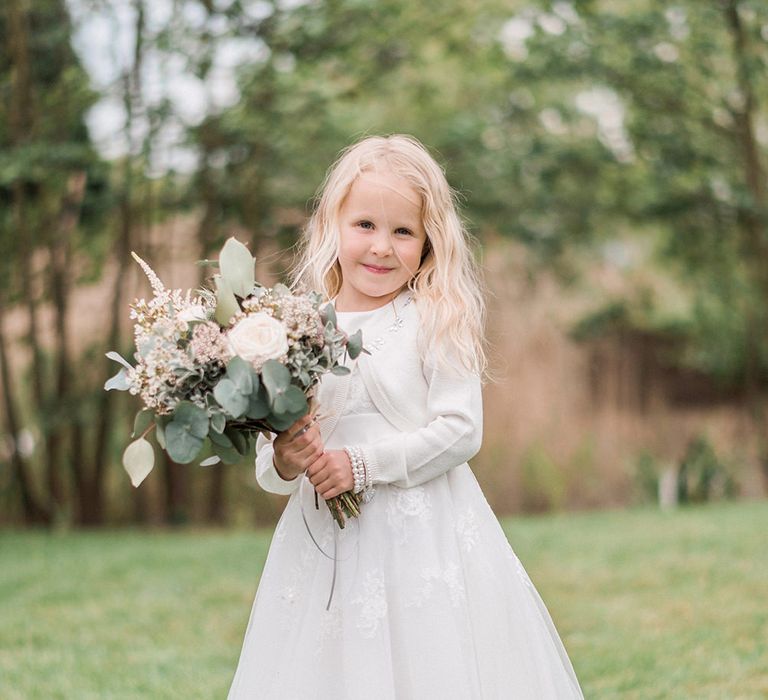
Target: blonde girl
x=421, y=596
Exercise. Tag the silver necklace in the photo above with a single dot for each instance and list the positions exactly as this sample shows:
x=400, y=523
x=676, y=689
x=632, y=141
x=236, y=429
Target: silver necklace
x=377, y=343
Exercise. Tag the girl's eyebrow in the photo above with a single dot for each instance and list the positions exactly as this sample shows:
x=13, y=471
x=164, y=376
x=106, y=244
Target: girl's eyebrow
x=409, y=223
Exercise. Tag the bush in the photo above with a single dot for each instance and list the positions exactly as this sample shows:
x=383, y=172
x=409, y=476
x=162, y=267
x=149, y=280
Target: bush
x=702, y=476
x=543, y=483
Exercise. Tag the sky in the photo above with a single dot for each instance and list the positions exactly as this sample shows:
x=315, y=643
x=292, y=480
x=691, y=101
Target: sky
x=104, y=41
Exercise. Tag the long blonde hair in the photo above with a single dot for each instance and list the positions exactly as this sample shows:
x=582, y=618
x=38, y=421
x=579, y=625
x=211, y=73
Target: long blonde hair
x=446, y=286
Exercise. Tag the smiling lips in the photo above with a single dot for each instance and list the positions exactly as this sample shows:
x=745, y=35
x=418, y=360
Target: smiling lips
x=376, y=269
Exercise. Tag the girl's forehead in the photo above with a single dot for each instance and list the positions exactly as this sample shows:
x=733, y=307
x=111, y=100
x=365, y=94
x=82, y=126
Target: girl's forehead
x=368, y=183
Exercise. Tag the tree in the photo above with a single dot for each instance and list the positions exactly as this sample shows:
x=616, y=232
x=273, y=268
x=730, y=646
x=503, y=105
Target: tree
x=43, y=176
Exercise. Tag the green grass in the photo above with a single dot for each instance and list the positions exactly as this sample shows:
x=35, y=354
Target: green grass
x=649, y=605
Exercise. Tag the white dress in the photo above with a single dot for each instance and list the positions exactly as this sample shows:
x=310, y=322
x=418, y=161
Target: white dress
x=428, y=600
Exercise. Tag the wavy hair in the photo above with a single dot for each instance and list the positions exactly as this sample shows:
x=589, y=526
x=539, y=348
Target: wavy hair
x=447, y=285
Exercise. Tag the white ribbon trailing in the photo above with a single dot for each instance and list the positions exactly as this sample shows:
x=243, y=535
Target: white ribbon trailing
x=334, y=557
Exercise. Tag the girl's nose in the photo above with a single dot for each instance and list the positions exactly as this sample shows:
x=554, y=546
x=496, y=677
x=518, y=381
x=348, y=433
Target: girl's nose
x=381, y=243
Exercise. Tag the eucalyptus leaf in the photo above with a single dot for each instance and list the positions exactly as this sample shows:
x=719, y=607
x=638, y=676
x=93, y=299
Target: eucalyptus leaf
x=191, y=417
x=228, y=455
x=295, y=401
x=238, y=440
x=160, y=423
x=210, y=461
x=119, y=381
x=226, y=304
x=182, y=445
x=340, y=370
x=328, y=315
x=230, y=399
x=221, y=440
x=258, y=404
x=276, y=378
x=117, y=357
x=141, y=422
x=138, y=460
x=355, y=344
x=281, y=422
x=218, y=422
x=237, y=267
x=241, y=374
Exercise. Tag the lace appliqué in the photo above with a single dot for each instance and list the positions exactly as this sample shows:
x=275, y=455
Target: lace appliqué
x=468, y=529
x=372, y=602
x=450, y=576
x=405, y=504
x=297, y=577
x=358, y=399
x=296, y=580
x=330, y=628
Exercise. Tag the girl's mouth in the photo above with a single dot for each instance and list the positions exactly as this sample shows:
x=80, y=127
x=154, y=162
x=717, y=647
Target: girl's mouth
x=376, y=269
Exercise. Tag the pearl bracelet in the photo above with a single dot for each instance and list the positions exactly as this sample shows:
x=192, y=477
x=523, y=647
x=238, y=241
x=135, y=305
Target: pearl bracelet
x=358, y=467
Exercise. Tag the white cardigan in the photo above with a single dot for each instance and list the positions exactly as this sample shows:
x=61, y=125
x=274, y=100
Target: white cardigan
x=439, y=412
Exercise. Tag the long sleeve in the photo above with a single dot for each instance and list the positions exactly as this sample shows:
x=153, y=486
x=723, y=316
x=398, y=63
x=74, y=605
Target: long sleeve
x=266, y=474
x=452, y=435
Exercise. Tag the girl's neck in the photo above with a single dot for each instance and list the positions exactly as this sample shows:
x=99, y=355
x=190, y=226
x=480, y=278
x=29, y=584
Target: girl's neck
x=360, y=306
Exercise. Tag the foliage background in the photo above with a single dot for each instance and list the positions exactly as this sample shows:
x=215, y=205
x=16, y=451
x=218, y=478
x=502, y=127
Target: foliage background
x=610, y=157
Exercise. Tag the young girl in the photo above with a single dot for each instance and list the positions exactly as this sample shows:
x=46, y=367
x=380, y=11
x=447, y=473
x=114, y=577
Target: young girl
x=421, y=596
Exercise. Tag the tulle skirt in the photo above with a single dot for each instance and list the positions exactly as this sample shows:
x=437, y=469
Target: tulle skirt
x=427, y=600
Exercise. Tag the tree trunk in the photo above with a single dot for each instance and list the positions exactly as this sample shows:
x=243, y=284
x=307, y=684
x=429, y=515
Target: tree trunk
x=34, y=513
x=60, y=263
x=753, y=226
x=131, y=97
x=21, y=123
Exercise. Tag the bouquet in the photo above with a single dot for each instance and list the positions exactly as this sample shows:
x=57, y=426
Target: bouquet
x=217, y=367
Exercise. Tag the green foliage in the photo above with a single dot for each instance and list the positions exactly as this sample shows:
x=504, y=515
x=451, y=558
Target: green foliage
x=702, y=475
x=43, y=136
x=647, y=474
x=543, y=482
x=237, y=267
x=605, y=120
x=186, y=432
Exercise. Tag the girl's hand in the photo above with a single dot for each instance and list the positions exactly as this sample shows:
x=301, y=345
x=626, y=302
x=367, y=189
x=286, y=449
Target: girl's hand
x=297, y=447
x=331, y=474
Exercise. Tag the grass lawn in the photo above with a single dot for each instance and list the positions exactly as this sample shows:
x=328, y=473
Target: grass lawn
x=649, y=605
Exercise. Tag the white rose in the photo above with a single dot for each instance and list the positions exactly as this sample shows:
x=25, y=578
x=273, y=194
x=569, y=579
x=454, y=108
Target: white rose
x=258, y=338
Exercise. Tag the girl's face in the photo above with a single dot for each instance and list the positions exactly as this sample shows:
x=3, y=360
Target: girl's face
x=382, y=239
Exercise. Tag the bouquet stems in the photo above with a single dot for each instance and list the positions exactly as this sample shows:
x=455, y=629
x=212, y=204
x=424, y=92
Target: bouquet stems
x=345, y=504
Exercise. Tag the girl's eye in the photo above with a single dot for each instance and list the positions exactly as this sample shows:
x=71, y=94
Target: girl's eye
x=404, y=231
x=365, y=224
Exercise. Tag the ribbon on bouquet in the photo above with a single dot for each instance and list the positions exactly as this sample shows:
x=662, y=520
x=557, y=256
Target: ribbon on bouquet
x=335, y=529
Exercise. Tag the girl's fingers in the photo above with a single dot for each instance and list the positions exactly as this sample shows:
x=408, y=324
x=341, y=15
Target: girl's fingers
x=333, y=492
x=325, y=487
x=301, y=427
x=308, y=438
x=311, y=452
x=314, y=470
x=290, y=432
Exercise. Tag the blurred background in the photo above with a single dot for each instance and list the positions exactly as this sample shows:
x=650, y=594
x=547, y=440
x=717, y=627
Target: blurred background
x=611, y=161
